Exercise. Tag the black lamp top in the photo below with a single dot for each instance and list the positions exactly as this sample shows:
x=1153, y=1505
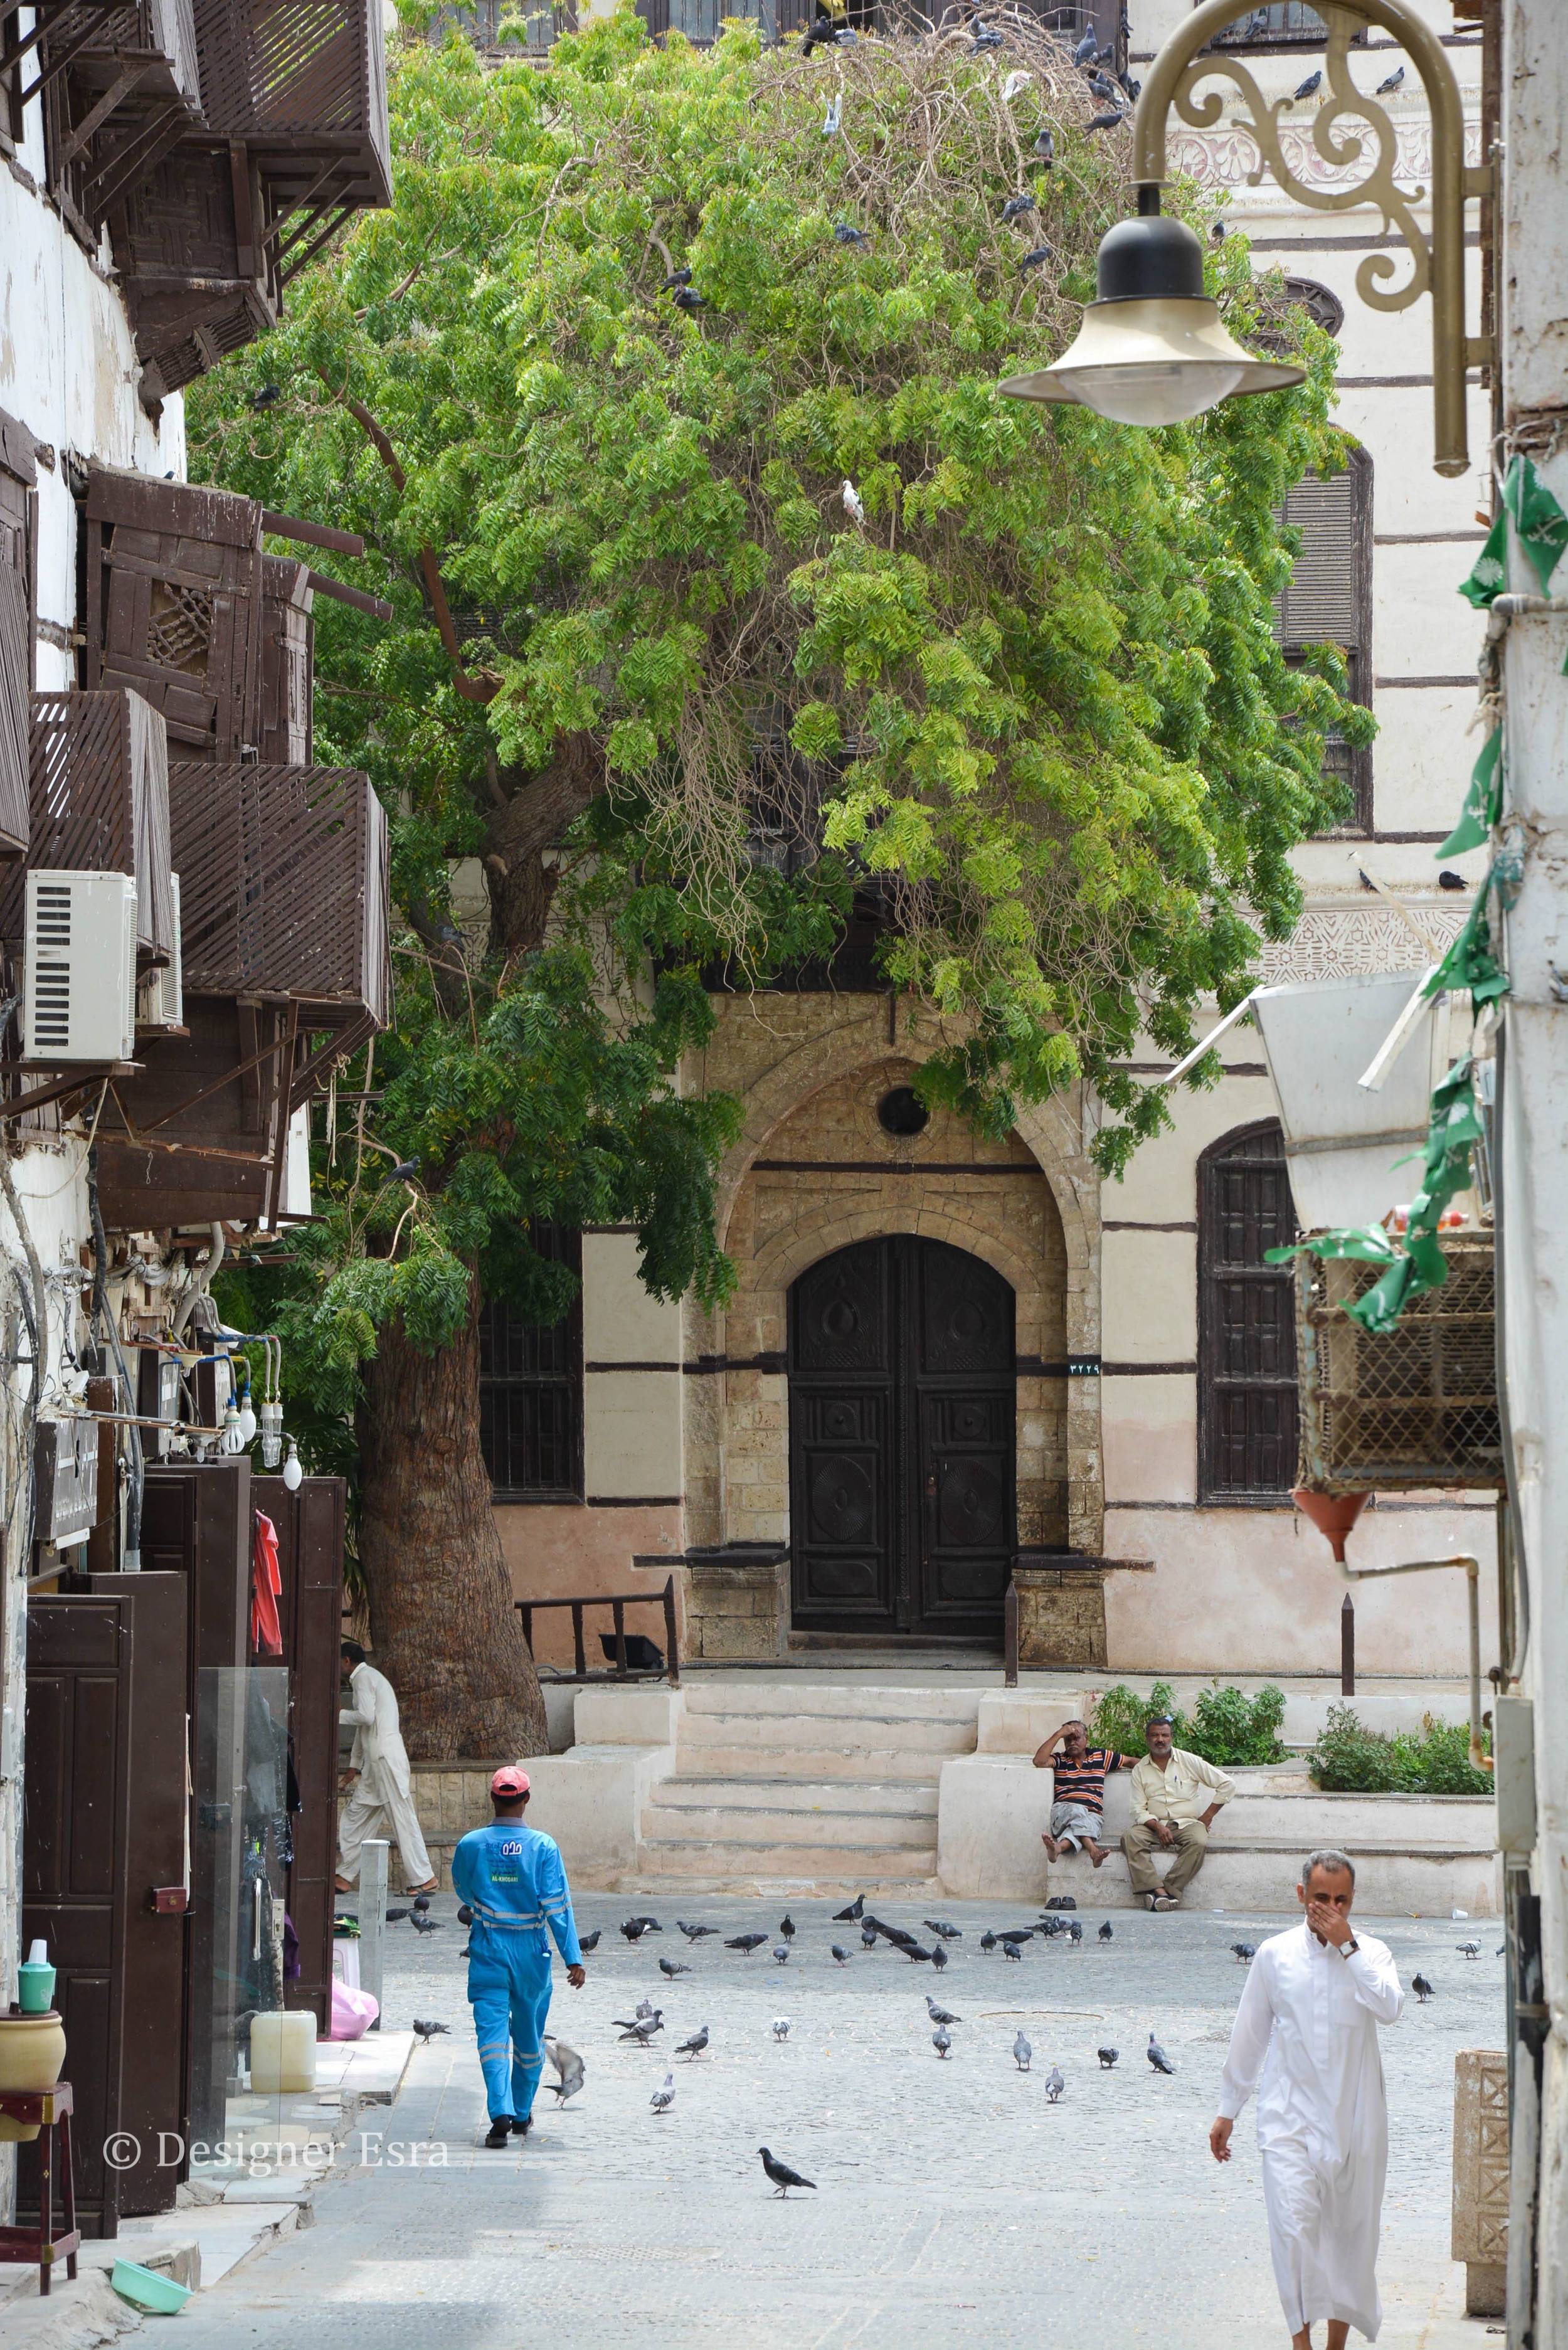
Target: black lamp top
x=1149, y=259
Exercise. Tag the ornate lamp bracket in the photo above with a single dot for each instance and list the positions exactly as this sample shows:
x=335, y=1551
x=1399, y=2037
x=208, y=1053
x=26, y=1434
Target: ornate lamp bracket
x=1437, y=259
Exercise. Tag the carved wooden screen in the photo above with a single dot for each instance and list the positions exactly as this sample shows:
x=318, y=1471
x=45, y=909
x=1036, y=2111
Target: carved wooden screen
x=1246, y=1321
x=18, y=475
x=1328, y=600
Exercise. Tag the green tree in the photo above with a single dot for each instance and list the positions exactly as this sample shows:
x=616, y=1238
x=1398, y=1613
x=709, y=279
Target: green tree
x=666, y=399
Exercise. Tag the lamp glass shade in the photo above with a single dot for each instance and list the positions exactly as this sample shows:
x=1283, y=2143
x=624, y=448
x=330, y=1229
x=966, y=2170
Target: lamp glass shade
x=1157, y=362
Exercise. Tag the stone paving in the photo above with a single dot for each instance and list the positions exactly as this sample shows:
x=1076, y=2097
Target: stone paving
x=954, y=2205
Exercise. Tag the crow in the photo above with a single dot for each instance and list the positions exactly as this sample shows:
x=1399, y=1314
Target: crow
x=670, y=1968
x=1157, y=2057
x=942, y=2040
x=1390, y=82
x=427, y=2032
x=786, y=1926
x=1245, y=1952
x=783, y=2176
x=662, y=2099
x=820, y=35
x=1107, y=1932
x=569, y=2065
x=857, y=1909
x=1422, y=1988
x=693, y=1933
x=746, y=1942
x=693, y=2047
x=1313, y=83
x=944, y=1932
x=1055, y=2084
x=1022, y=2052
x=840, y=1953
x=585, y=1941
x=1108, y=2057
x=1448, y=879
x=940, y=2014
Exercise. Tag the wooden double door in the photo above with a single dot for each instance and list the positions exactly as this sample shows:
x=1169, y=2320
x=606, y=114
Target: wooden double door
x=901, y=1405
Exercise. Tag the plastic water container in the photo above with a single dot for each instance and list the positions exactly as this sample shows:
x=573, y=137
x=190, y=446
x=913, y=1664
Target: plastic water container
x=282, y=2052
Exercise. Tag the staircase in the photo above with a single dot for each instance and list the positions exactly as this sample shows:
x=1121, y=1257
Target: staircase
x=803, y=1783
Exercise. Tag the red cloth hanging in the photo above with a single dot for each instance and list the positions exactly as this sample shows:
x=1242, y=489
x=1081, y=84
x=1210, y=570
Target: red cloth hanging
x=266, y=1589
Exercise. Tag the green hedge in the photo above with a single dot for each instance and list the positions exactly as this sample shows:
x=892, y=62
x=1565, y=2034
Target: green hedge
x=1351, y=1759
x=1226, y=1726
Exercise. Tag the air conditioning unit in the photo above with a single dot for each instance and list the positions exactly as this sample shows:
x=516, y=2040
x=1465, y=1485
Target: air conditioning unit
x=80, y=951
x=161, y=996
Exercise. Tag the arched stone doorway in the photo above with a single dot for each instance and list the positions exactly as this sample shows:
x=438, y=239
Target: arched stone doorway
x=902, y=1379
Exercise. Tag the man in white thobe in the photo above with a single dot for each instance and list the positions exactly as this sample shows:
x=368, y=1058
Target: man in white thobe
x=379, y=1797
x=1305, y=2037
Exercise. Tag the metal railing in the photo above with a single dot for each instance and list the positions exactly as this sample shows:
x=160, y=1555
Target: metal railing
x=618, y=1603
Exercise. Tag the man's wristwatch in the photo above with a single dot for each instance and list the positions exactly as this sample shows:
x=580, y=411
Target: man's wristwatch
x=1345, y=1948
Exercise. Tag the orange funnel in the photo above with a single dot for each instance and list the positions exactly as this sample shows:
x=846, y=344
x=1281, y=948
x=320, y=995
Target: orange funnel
x=1333, y=1514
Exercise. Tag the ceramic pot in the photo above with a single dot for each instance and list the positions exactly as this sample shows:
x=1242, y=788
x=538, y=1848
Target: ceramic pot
x=32, y=2055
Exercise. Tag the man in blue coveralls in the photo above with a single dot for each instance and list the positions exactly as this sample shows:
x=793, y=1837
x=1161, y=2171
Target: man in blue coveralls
x=511, y=1877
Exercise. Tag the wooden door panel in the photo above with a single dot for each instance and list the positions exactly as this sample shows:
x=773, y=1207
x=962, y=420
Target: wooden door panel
x=1247, y=1354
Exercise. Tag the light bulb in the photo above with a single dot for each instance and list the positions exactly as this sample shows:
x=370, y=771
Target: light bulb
x=232, y=1440
x=271, y=1433
x=247, y=1418
x=293, y=1474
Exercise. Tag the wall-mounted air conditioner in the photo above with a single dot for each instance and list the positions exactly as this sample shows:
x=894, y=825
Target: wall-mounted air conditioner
x=160, y=998
x=80, y=950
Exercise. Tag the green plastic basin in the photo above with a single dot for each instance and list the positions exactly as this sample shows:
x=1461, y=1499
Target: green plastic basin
x=146, y=2289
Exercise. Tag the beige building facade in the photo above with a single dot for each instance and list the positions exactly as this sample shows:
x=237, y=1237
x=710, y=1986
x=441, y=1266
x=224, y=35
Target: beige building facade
x=949, y=1359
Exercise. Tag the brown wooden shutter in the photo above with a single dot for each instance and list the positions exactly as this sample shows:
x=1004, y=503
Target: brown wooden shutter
x=18, y=475
x=1322, y=604
x=1246, y=1320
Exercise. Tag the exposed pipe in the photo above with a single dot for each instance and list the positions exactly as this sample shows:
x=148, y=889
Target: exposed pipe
x=102, y=1310
x=200, y=1282
x=1480, y=1759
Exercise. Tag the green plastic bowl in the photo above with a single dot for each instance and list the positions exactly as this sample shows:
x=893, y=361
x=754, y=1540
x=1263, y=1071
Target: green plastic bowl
x=146, y=2289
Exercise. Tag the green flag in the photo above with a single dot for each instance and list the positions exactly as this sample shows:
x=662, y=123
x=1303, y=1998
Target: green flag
x=1483, y=800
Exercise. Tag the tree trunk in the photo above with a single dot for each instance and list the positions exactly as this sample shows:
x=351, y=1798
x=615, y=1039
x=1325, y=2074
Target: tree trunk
x=447, y=1635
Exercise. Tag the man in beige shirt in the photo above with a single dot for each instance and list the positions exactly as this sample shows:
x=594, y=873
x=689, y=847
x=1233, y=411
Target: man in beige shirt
x=1175, y=1796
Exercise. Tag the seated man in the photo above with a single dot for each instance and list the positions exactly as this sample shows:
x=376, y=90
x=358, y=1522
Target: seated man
x=1175, y=1796
x=1078, y=1795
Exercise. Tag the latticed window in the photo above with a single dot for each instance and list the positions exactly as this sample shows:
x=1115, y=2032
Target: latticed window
x=1328, y=600
x=1294, y=24
x=531, y=1390
x=1246, y=1321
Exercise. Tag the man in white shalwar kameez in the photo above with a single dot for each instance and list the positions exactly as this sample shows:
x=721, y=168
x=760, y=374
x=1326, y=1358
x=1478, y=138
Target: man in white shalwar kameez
x=378, y=1767
x=1305, y=2037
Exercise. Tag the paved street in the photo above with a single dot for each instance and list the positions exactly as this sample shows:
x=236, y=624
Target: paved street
x=954, y=2206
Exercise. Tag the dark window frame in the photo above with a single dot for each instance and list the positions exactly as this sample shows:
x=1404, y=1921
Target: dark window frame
x=1354, y=765
x=541, y=1386
x=1214, y=1492
x=1294, y=28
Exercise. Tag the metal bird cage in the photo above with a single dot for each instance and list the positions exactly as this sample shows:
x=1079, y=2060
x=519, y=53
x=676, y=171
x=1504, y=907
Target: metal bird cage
x=1414, y=1408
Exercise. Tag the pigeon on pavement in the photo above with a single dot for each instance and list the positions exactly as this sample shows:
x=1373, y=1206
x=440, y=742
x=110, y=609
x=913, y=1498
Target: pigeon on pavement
x=1308, y=88
x=1108, y=2057
x=1055, y=2084
x=855, y=1909
x=988, y=1940
x=938, y=1956
x=633, y=1928
x=783, y=2176
x=585, y=1941
x=1016, y=1934
x=670, y=1968
x=869, y=1937
x=781, y=1953
x=746, y=1942
x=1011, y=1950
x=942, y=2040
x=942, y=1931
x=693, y=1933
x=1157, y=2057
x=1390, y=82
x=1245, y=1952
x=393, y=1916
x=421, y=1902
x=570, y=2067
x=1422, y=1988
x=662, y=2099
x=1468, y=1950
x=786, y=1926
x=1074, y=1932
x=781, y=2027
x=427, y=2032
x=425, y=1925
x=694, y=2047
x=643, y=2008
x=1107, y=1932
x=939, y=2014
x=917, y=1951
x=643, y=2033
x=840, y=1953
x=1022, y=2052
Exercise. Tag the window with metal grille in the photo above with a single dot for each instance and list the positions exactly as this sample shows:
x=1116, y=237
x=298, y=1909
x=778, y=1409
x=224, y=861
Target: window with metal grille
x=1293, y=24
x=1246, y=1321
x=1328, y=600
x=531, y=1390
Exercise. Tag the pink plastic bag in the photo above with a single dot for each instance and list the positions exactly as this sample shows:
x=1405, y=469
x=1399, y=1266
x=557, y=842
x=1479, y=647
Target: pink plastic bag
x=353, y=2012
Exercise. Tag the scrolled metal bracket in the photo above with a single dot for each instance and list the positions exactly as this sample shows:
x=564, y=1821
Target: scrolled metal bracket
x=1438, y=259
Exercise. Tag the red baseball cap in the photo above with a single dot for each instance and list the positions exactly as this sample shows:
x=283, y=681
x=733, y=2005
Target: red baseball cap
x=509, y=1781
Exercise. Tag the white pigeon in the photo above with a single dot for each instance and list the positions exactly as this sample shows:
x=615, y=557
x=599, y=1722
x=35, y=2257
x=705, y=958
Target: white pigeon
x=569, y=2065
x=1012, y=85
x=662, y=2099
x=852, y=505
x=781, y=2027
x=833, y=117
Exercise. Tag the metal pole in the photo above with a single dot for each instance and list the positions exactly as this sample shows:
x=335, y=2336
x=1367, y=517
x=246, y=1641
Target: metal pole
x=1347, y=1648
x=373, y=1855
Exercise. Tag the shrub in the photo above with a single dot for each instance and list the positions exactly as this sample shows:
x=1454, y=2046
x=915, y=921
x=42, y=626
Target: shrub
x=1226, y=1726
x=1351, y=1759
x=1119, y=1718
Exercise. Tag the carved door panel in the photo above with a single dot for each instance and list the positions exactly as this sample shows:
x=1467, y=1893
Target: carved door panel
x=901, y=1440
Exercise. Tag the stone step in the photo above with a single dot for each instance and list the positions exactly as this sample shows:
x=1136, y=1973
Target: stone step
x=769, y=1733
x=801, y=1698
x=721, y=1821
x=702, y=1864
x=849, y=1765
x=1310, y=1818
x=842, y=1799
x=1258, y=1874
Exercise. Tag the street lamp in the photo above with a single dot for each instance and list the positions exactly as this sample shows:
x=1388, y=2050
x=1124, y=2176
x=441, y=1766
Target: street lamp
x=1153, y=349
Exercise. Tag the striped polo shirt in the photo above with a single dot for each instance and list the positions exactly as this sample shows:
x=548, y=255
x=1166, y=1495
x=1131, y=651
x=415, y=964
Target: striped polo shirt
x=1084, y=1782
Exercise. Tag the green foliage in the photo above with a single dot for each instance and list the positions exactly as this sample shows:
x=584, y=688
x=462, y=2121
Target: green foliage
x=1225, y=1726
x=1038, y=690
x=1351, y=1759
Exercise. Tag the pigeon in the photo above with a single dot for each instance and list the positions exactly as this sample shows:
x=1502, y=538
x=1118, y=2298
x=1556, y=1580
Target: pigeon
x=1035, y=258
x=268, y=397
x=1062, y=1901
x=634, y=1929
x=1502, y=1950
x=1157, y=2057
x=1108, y=2057
x=1133, y=88
x=1046, y=146
x=917, y=1951
x=1075, y=1933
x=781, y=1953
x=1103, y=89
x=869, y=1937
x=670, y=1968
x=1106, y=122
x=786, y=1926
x=395, y=1916
x=1389, y=83
x=662, y=2099
x=1107, y=1932
x=645, y=2008
x=942, y=1931
x=1012, y=85
x=819, y=35
x=1422, y=1988
x=1448, y=879
x=687, y=297
x=425, y=1925
x=1016, y=206
x=569, y=2065
x=939, y=2014
x=942, y=2040
x=676, y=278
x=938, y=1956
x=985, y=37
x=1245, y=1952
x=846, y=233
x=635, y=2022
x=585, y=1941
x=1055, y=2084
x=643, y=2033
x=427, y=2032
x=857, y=1909
x=1022, y=2052
x=849, y=497
x=747, y=1942
x=693, y=2047
x=1313, y=83
x=1016, y=1934
x=422, y=1900
x=783, y=2176
x=1011, y=1950
x=840, y=1953
x=693, y=1933
x=833, y=117
x=1086, y=47
x=781, y=2027
x=988, y=1940
x=1468, y=1950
